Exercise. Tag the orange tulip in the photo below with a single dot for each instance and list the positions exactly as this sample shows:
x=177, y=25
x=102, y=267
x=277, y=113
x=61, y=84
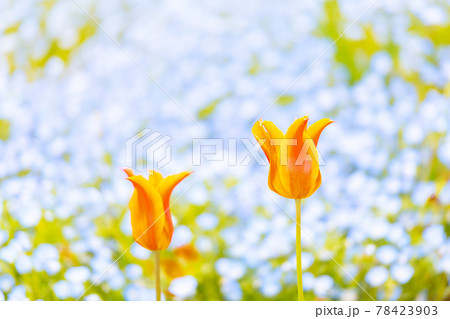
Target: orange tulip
x=293, y=157
x=151, y=219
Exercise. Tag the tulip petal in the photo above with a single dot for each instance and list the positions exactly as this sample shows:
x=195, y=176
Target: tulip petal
x=154, y=177
x=167, y=185
x=297, y=128
x=147, y=212
x=165, y=189
x=296, y=132
x=128, y=171
x=316, y=185
x=278, y=179
x=262, y=135
x=316, y=129
x=273, y=130
x=262, y=138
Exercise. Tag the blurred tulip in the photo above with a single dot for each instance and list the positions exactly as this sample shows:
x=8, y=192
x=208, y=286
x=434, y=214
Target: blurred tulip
x=187, y=252
x=172, y=268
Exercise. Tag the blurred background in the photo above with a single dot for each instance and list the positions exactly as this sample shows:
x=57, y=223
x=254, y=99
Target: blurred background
x=70, y=98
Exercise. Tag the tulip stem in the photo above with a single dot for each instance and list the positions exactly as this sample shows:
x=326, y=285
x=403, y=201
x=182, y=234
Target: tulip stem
x=157, y=276
x=298, y=246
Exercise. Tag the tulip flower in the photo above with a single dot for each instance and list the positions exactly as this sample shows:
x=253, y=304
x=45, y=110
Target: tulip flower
x=294, y=165
x=151, y=219
x=293, y=157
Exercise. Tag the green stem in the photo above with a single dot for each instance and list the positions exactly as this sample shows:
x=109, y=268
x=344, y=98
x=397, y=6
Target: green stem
x=157, y=276
x=298, y=246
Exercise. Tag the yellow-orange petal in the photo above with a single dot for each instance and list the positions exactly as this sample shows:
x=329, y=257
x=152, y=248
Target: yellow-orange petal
x=273, y=130
x=296, y=132
x=167, y=185
x=278, y=180
x=297, y=128
x=128, y=171
x=165, y=189
x=277, y=143
x=276, y=138
x=261, y=136
x=147, y=214
x=316, y=129
x=154, y=177
x=315, y=186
